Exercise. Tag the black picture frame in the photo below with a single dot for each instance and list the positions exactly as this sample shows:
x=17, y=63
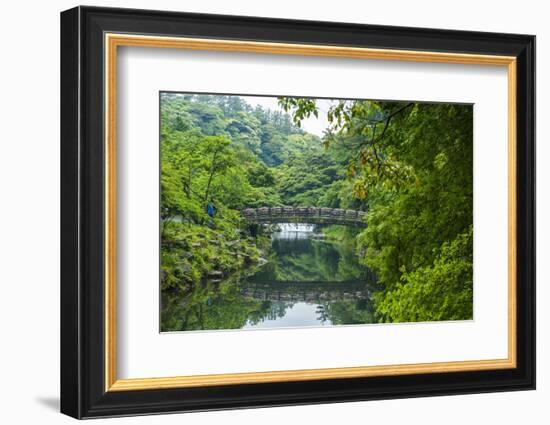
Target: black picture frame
x=83, y=392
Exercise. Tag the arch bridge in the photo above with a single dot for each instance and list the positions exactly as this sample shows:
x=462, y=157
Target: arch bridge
x=306, y=215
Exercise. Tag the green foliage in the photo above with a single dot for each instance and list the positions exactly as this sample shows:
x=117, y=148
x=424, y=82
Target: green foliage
x=202, y=164
x=305, y=179
x=442, y=291
x=411, y=164
x=302, y=107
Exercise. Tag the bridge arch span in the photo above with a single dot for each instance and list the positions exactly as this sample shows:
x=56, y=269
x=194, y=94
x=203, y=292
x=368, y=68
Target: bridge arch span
x=306, y=215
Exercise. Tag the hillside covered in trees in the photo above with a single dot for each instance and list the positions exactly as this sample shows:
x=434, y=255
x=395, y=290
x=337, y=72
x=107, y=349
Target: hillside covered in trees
x=408, y=165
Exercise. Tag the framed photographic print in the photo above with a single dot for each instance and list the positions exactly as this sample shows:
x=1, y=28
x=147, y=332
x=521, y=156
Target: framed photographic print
x=261, y=212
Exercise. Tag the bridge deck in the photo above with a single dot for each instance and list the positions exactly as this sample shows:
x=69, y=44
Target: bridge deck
x=313, y=215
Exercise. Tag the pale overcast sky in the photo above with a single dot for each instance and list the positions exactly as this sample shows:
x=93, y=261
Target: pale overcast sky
x=312, y=125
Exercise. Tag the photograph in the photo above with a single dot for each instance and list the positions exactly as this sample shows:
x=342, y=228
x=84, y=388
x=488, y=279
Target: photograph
x=292, y=212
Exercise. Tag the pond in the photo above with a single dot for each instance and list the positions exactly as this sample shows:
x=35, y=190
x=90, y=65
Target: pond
x=308, y=280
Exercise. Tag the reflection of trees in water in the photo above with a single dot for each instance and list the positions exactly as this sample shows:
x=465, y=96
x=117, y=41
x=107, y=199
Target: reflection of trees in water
x=311, y=260
x=230, y=305
x=270, y=311
x=347, y=312
x=299, y=270
x=208, y=305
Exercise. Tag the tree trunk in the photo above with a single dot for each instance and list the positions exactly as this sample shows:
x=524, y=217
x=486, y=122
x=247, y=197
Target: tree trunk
x=189, y=182
x=212, y=171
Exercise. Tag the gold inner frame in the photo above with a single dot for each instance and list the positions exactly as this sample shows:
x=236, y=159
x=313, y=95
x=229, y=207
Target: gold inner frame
x=113, y=41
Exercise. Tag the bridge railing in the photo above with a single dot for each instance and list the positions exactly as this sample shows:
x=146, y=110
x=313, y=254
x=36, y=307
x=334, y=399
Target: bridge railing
x=316, y=214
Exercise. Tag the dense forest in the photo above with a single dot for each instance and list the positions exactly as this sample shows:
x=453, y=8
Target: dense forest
x=408, y=165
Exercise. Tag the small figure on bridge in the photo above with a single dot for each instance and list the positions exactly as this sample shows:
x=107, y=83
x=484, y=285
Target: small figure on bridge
x=211, y=210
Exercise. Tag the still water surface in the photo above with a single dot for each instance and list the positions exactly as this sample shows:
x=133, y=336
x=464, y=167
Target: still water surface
x=311, y=281
x=307, y=281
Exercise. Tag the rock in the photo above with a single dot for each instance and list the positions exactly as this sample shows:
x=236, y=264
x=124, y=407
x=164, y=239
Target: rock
x=185, y=268
x=215, y=273
x=175, y=243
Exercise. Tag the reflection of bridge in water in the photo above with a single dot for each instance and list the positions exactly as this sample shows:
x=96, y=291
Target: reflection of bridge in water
x=308, y=291
x=311, y=215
